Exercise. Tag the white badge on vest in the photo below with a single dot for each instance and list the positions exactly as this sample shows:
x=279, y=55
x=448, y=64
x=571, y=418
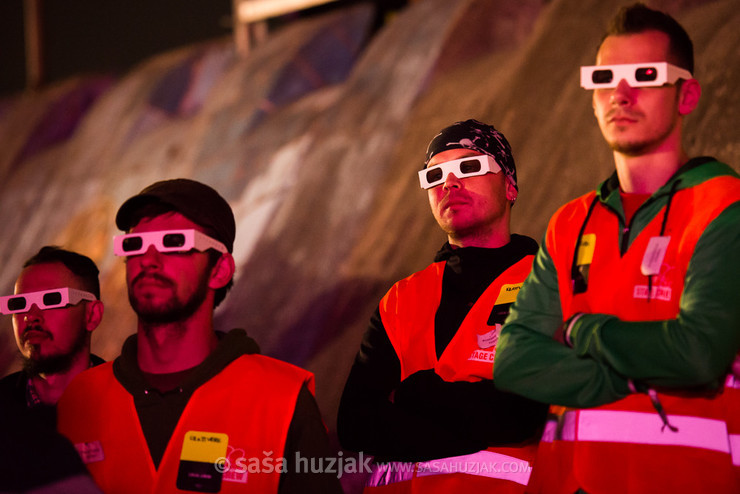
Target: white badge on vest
x=654, y=254
x=90, y=452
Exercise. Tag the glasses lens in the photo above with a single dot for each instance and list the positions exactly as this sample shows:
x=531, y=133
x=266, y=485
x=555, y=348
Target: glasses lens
x=17, y=303
x=173, y=240
x=646, y=74
x=53, y=298
x=603, y=76
x=469, y=166
x=131, y=244
x=434, y=175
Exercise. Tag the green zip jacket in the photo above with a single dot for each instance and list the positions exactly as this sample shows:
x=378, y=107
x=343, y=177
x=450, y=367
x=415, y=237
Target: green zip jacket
x=692, y=351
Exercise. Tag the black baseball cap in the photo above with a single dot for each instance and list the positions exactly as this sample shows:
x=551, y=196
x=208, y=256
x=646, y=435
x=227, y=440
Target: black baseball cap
x=195, y=200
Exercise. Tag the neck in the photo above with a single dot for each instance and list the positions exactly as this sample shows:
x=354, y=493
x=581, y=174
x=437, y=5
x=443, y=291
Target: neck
x=176, y=346
x=489, y=240
x=645, y=173
x=50, y=387
x=490, y=236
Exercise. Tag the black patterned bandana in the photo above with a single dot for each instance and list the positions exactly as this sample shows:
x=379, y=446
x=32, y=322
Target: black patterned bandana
x=480, y=137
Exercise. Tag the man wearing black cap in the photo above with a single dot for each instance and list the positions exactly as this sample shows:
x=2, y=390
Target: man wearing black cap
x=184, y=407
x=421, y=387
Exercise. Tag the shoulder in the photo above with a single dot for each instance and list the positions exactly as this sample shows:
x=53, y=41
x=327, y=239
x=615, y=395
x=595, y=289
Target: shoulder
x=13, y=387
x=523, y=244
x=432, y=271
x=574, y=208
x=570, y=214
x=255, y=366
x=12, y=380
x=697, y=170
x=92, y=389
x=92, y=379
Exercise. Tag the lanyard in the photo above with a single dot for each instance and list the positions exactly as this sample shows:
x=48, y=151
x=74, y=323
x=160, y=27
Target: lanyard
x=579, y=274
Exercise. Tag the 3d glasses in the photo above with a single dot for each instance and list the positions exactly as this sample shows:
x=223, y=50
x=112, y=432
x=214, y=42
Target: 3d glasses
x=471, y=166
x=46, y=299
x=636, y=74
x=133, y=244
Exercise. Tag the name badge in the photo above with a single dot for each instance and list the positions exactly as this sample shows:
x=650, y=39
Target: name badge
x=654, y=254
x=586, y=250
x=508, y=293
x=489, y=338
x=90, y=452
x=200, y=458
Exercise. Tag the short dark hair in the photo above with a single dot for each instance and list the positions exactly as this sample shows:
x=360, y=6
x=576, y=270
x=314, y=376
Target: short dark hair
x=154, y=209
x=638, y=18
x=81, y=266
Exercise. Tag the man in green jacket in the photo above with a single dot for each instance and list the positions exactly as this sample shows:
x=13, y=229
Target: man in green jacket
x=629, y=320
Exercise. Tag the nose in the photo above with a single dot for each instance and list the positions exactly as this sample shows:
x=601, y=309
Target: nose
x=150, y=257
x=622, y=94
x=34, y=314
x=452, y=181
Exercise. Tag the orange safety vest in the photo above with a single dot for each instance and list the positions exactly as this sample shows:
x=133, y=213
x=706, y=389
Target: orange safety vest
x=732, y=388
x=623, y=446
x=238, y=419
x=408, y=311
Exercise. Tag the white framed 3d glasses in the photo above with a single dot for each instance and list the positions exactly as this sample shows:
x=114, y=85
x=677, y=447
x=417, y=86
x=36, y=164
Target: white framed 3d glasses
x=134, y=244
x=652, y=74
x=46, y=299
x=470, y=166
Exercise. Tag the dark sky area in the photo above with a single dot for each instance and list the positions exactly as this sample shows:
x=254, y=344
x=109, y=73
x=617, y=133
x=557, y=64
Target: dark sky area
x=82, y=36
x=111, y=36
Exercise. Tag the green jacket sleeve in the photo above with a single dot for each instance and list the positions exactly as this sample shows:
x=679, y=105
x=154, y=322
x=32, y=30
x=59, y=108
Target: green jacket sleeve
x=696, y=348
x=530, y=362
x=693, y=350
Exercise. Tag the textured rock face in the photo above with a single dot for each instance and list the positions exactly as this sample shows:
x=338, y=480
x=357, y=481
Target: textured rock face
x=315, y=140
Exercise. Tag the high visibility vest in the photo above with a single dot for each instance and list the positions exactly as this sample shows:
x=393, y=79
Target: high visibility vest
x=624, y=446
x=408, y=311
x=230, y=437
x=732, y=389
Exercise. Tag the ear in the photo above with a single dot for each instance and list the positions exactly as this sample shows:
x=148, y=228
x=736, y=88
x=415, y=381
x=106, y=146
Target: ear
x=688, y=98
x=511, y=192
x=222, y=272
x=93, y=314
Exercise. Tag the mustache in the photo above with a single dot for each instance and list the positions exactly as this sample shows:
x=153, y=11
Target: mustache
x=152, y=276
x=38, y=328
x=622, y=112
x=454, y=196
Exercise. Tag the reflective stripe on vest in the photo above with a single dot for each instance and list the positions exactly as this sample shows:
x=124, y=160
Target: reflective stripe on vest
x=735, y=447
x=733, y=382
x=483, y=463
x=645, y=428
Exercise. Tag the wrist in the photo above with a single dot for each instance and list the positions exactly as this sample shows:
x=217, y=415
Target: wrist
x=568, y=334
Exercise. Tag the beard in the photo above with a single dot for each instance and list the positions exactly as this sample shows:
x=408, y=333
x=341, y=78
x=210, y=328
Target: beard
x=638, y=147
x=650, y=140
x=54, y=364
x=171, y=310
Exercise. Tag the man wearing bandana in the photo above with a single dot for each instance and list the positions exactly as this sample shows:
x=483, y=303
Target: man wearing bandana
x=420, y=395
